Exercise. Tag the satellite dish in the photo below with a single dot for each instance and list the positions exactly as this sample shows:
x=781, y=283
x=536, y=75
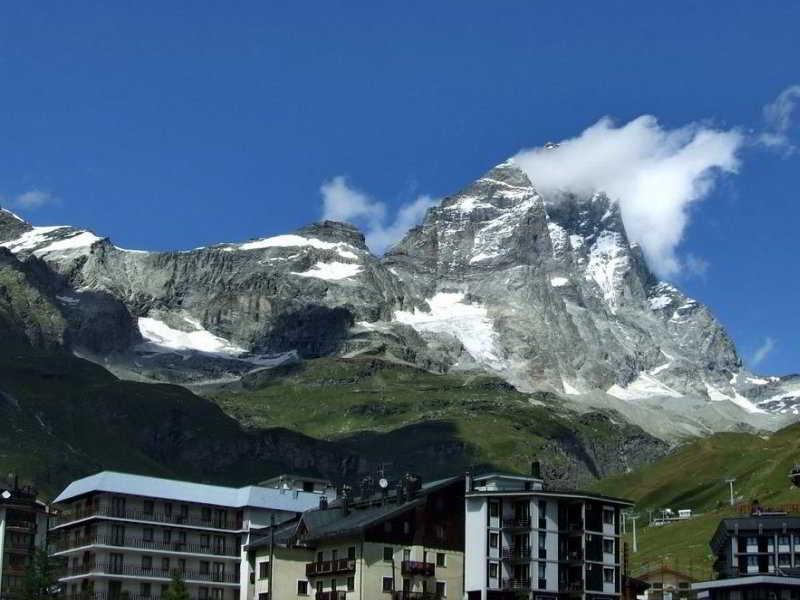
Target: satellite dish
x=5, y=494
x=383, y=483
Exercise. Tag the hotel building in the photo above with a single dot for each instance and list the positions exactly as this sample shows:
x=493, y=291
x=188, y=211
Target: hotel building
x=124, y=536
x=526, y=540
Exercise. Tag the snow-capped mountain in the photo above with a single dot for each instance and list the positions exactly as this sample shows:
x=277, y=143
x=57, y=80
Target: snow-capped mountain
x=547, y=293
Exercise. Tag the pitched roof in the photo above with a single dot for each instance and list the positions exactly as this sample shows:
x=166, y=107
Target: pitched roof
x=186, y=491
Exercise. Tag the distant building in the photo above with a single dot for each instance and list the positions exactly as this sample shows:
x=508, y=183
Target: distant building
x=301, y=483
x=666, y=583
x=756, y=557
x=23, y=530
x=124, y=536
x=526, y=540
x=404, y=542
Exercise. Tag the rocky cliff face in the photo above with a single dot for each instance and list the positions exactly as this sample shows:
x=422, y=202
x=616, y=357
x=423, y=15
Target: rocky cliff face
x=547, y=293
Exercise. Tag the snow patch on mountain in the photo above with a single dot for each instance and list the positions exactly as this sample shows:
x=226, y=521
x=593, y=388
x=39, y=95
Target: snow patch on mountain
x=292, y=241
x=608, y=264
x=716, y=395
x=644, y=386
x=559, y=281
x=468, y=323
x=161, y=335
x=331, y=271
x=51, y=239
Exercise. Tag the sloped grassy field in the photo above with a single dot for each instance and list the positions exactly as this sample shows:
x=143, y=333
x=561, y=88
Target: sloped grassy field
x=694, y=477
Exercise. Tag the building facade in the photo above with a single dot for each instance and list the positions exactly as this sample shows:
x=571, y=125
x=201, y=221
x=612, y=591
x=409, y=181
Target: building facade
x=666, y=583
x=405, y=543
x=23, y=531
x=125, y=536
x=757, y=557
x=524, y=540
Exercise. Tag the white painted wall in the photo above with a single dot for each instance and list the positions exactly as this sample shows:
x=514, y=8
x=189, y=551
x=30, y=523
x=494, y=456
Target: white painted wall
x=475, y=563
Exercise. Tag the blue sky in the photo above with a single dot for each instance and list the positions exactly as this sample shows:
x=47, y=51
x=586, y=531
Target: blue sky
x=192, y=123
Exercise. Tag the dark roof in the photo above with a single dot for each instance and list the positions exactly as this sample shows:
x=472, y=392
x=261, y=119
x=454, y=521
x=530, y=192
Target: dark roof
x=728, y=527
x=555, y=493
x=336, y=521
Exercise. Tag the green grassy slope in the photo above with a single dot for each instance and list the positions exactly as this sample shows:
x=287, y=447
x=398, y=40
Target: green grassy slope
x=693, y=477
x=336, y=399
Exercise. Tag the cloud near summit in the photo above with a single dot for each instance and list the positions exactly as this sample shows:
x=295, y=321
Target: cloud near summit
x=655, y=173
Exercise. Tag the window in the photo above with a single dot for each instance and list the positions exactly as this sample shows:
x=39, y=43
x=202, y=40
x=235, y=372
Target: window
x=494, y=540
x=351, y=553
x=205, y=568
x=147, y=534
x=542, y=570
x=441, y=589
x=182, y=565
x=608, y=575
x=608, y=545
x=752, y=561
x=302, y=588
x=147, y=508
x=351, y=584
x=494, y=509
x=608, y=517
x=439, y=532
x=542, y=540
x=683, y=585
x=168, y=508
x=334, y=554
x=441, y=559
x=388, y=584
x=165, y=565
x=205, y=514
x=784, y=560
x=147, y=563
x=333, y=585
x=320, y=586
x=320, y=556
x=144, y=590
x=261, y=595
x=263, y=570
x=202, y=593
x=166, y=536
x=406, y=554
x=493, y=570
x=388, y=553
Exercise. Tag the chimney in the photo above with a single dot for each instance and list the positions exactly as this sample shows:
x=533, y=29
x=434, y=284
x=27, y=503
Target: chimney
x=468, y=482
x=536, y=469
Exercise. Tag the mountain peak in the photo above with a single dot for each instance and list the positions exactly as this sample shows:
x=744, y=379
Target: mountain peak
x=335, y=231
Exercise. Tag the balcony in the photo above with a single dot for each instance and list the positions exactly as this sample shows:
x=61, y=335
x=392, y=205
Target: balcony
x=103, y=568
x=17, y=525
x=517, y=553
x=87, y=595
x=99, y=540
x=575, y=525
x=517, y=585
x=342, y=566
x=415, y=567
x=574, y=555
x=70, y=516
x=415, y=596
x=330, y=596
x=524, y=523
x=572, y=586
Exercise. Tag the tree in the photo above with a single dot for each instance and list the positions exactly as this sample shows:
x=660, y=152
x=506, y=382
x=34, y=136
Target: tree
x=39, y=581
x=176, y=589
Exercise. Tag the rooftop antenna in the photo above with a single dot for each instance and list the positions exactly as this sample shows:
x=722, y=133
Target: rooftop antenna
x=730, y=481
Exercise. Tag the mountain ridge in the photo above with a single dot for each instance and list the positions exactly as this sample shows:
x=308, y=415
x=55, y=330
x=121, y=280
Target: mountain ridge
x=547, y=293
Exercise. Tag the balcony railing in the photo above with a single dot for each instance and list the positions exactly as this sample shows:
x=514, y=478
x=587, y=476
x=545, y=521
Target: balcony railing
x=173, y=519
x=516, y=552
x=403, y=595
x=572, y=586
x=415, y=567
x=331, y=596
x=524, y=523
x=193, y=548
x=521, y=585
x=331, y=567
x=107, y=596
x=21, y=525
x=133, y=571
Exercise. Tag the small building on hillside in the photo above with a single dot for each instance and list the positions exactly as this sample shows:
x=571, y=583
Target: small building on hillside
x=757, y=557
x=401, y=543
x=23, y=530
x=666, y=583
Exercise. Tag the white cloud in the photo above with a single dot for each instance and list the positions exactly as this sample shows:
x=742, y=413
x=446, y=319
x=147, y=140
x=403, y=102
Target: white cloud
x=342, y=202
x=696, y=265
x=33, y=199
x=763, y=351
x=655, y=173
x=778, y=119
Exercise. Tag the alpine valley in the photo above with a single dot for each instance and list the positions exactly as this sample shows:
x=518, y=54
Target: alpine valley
x=507, y=325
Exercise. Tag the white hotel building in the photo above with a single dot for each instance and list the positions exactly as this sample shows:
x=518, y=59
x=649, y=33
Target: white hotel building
x=525, y=539
x=123, y=536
